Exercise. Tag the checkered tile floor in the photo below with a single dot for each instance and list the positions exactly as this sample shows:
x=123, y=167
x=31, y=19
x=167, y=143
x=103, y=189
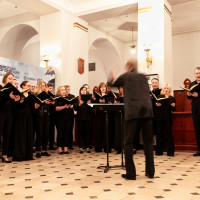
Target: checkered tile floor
x=75, y=176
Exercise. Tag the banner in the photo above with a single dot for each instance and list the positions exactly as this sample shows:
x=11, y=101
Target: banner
x=26, y=72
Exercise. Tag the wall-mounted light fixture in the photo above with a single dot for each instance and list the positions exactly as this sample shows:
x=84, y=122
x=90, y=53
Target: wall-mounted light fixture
x=46, y=58
x=132, y=43
x=148, y=57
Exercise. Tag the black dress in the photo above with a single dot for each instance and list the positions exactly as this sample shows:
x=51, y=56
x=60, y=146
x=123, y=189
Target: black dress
x=163, y=120
x=63, y=121
x=42, y=126
x=84, y=119
x=23, y=132
x=6, y=121
x=70, y=113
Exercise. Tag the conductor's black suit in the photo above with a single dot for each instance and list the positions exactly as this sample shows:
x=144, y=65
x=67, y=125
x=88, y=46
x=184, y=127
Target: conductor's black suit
x=138, y=112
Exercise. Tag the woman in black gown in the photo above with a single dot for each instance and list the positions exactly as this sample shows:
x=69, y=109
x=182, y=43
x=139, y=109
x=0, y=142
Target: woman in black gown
x=84, y=118
x=42, y=123
x=70, y=113
x=62, y=121
x=23, y=126
x=6, y=115
x=163, y=118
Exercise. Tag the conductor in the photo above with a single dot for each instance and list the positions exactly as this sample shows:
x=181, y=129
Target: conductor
x=138, y=112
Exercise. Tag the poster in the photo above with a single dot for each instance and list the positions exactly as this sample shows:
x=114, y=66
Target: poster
x=26, y=72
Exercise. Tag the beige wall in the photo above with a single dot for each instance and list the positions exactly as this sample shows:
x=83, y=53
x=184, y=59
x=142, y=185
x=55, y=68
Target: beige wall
x=186, y=48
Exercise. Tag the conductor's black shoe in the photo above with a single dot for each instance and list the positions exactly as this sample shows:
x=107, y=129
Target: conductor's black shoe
x=197, y=153
x=128, y=177
x=151, y=176
x=45, y=154
x=38, y=155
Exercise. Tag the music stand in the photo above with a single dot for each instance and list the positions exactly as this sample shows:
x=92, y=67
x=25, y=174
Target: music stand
x=111, y=107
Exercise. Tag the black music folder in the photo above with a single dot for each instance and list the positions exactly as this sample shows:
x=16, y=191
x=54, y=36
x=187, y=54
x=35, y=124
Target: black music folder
x=8, y=88
x=63, y=100
x=194, y=88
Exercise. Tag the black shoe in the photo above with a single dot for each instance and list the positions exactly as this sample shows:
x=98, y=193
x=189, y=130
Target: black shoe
x=38, y=155
x=159, y=154
x=60, y=152
x=170, y=154
x=6, y=161
x=197, y=153
x=128, y=177
x=81, y=151
x=149, y=175
x=134, y=151
x=88, y=151
x=118, y=152
x=45, y=154
x=66, y=152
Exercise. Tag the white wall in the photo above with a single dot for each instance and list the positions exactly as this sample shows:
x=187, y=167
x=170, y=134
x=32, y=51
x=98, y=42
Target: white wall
x=107, y=52
x=186, y=48
x=17, y=38
x=65, y=44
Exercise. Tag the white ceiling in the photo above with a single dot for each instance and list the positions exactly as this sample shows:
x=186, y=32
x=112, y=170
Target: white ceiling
x=78, y=2
x=116, y=21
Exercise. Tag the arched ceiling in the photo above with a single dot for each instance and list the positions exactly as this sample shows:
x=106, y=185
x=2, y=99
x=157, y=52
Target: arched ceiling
x=185, y=14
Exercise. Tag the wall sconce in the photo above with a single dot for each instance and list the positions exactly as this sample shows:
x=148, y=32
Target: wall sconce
x=46, y=59
x=148, y=58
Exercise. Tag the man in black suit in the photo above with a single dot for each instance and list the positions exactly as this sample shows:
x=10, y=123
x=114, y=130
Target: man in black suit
x=138, y=112
x=156, y=91
x=195, y=96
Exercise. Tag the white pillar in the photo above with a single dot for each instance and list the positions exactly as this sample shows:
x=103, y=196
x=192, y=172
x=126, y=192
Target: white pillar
x=154, y=32
x=65, y=43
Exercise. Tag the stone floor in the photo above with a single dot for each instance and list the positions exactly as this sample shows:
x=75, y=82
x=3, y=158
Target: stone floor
x=75, y=176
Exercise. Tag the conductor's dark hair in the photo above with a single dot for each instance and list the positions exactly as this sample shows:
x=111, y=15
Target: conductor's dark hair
x=23, y=84
x=132, y=64
x=197, y=68
x=6, y=76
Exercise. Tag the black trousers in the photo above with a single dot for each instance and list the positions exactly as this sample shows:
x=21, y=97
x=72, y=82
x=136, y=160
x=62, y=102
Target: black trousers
x=118, y=131
x=196, y=122
x=63, y=126
x=6, y=120
x=130, y=132
x=52, y=130
x=84, y=128
x=164, y=140
x=42, y=132
x=23, y=137
x=100, y=131
x=71, y=124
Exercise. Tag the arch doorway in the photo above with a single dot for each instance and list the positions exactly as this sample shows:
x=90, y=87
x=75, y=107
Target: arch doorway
x=21, y=43
x=105, y=56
